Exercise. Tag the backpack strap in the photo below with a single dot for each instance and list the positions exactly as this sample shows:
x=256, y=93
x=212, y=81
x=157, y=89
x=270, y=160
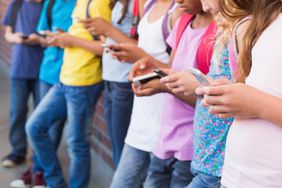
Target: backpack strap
x=49, y=13
x=205, y=50
x=135, y=19
x=166, y=22
x=15, y=11
x=185, y=19
x=95, y=37
x=149, y=6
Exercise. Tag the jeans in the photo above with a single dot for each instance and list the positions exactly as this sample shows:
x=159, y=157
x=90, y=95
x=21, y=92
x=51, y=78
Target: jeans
x=169, y=173
x=55, y=132
x=202, y=180
x=75, y=103
x=118, y=108
x=21, y=89
x=132, y=168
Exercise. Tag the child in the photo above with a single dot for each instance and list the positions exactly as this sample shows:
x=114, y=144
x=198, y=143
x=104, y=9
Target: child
x=21, y=21
x=173, y=153
x=154, y=27
x=54, y=14
x=118, y=92
x=74, y=97
x=253, y=152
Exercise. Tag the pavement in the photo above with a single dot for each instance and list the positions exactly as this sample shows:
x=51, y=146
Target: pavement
x=101, y=173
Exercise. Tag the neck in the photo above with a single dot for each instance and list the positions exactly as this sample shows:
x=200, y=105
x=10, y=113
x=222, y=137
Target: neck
x=201, y=20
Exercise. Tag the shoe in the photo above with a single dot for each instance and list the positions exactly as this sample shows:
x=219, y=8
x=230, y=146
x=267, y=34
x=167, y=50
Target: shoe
x=24, y=181
x=11, y=161
x=38, y=180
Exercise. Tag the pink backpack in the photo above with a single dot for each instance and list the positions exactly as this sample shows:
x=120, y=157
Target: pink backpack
x=205, y=50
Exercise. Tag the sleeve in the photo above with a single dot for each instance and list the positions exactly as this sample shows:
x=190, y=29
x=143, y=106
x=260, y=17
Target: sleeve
x=101, y=9
x=171, y=40
x=43, y=22
x=7, y=20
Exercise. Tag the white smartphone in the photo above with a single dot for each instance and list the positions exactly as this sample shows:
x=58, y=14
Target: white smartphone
x=200, y=77
x=145, y=78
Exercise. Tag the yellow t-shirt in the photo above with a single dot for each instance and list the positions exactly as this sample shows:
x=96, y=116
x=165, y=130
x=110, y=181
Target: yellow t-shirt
x=82, y=67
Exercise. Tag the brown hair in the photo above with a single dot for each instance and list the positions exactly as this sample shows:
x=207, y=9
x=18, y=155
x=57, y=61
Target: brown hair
x=124, y=9
x=262, y=12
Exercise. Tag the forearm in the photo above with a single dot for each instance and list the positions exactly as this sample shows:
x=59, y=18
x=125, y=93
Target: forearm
x=92, y=46
x=119, y=36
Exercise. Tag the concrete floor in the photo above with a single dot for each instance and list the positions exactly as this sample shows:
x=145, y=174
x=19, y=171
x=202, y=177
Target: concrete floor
x=101, y=173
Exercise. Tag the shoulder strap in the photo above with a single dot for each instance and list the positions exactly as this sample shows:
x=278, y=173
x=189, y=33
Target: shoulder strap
x=205, y=50
x=87, y=9
x=14, y=15
x=166, y=22
x=149, y=6
x=185, y=19
x=135, y=19
x=49, y=13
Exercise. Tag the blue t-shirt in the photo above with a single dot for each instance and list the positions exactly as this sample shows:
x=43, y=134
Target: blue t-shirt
x=53, y=56
x=114, y=70
x=26, y=59
x=210, y=132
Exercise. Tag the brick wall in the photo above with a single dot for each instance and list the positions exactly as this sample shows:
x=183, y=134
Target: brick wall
x=100, y=139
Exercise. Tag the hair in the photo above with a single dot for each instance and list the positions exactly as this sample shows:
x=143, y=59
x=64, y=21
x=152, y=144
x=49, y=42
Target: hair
x=262, y=12
x=124, y=9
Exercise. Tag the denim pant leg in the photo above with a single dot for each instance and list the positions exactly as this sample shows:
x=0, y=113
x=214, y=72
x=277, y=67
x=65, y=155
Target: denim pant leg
x=181, y=175
x=18, y=116
x=56, y=130
x=118, y=109
x=202, y=180
x=80, y=105
x=132, y=168
x=50, y=109
x=159, y=173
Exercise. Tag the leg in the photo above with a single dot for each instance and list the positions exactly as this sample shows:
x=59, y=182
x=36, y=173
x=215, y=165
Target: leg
x=159, y=173
x=132, y=169
x=121, y=97
x=181, y=175
x=203, y=180
x=50, y=109
x=80, y=103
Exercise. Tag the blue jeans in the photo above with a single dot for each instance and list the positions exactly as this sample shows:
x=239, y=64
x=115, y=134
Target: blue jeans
x=202, y=180
x=118, y=108
x=169, y=173
x=55, y=132
x=75, y=103
x=21, y=89
x=132, y=168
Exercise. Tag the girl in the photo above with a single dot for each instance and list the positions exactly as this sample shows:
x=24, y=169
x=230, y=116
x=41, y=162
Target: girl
x=256, y=105
x=118, y=92
x=142, y=135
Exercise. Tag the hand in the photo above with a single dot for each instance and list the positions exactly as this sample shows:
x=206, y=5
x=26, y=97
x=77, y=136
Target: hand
x=61, y=40
x=231, y=100
x=14, y=38
x=33, y=39
x=150, y=88
x=97, y=26
x=141, y=67
x=127, y=52
x=180, y=82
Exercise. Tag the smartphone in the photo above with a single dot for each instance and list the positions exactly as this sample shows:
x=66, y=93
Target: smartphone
x=59, y=29
x=104, y=45
x=42, y=34
x=200, y=77
x=145, y=78
x=160, y=73
x=24, y=37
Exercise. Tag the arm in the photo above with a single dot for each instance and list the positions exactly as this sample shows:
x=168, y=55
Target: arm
x=13, y=38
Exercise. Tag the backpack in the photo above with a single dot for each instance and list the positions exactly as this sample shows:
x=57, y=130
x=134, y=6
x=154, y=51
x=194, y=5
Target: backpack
x=95, y=37
x=205, y=50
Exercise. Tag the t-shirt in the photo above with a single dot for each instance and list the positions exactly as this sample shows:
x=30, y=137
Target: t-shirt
x=53, y=56
x=210, y=132
x=26, y=59
x=146, y=115
x=114, y=70
x=253, y=149
x=81, y=67
x=177, y=123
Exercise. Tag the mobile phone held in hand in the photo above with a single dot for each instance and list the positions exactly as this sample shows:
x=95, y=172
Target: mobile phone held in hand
x=200, y=77
x=145, y=78
x=42, y=34
x=160, y=73
x=24, y=37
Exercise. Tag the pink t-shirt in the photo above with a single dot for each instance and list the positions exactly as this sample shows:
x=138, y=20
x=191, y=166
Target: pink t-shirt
x=254, y=147
x=177, y=125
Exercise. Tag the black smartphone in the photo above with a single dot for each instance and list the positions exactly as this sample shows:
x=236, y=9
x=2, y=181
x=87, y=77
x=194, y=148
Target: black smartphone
x=24, y=37
x=160, y=73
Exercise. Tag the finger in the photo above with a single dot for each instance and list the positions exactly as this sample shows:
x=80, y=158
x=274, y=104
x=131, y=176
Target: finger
x=173, y=85
x=169, y=79
x=222, y=81
x=211, y=90
x=178, y=90
x=218, y=109
x=225, y=115
x=116, y=47
x=144, y=92
x=214, y=100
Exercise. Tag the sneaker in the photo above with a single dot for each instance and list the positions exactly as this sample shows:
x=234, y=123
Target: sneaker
x=11, y=161
x=38, y=180
x=24, y=181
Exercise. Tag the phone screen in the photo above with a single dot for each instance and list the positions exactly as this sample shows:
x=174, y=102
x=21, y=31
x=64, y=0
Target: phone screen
x=160, y=72
x=200, y=77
